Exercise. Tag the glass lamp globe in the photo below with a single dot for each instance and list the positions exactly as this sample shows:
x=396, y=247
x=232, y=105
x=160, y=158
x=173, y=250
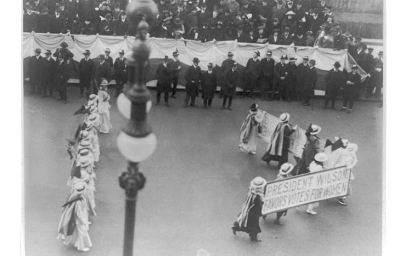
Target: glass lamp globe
x=124, y=105
x=136, y=149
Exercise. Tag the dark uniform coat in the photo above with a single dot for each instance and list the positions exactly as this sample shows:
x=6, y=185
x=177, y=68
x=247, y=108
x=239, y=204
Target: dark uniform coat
x=335, y=81
x=267, y=70
x=351, y=90
x=231, y=80
x=301, y=70
x=252, y=71
x=102, y=71
x=49, y=71
x=175, y=68
x=193, y=76
x=209, y=85
x=163, y=75
x=120, y=69
x=62, y=75
x=310, y=81
x=281, y=73
x=36, y=69
x=109, y=60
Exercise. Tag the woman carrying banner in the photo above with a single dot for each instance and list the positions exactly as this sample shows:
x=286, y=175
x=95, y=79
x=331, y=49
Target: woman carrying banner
x=283, y=174
x=248, y=219
x=311, y=148
x=73, y=225
x=280, y=141
x=104, y=108
x=315, y=166
x=348, y=158
x=250, y=130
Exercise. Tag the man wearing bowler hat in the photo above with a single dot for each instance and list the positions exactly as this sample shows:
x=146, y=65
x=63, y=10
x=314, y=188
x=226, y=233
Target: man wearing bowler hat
x=335, y=81
x=193, y=77
x=62, y=77
x=225, y=68
x=120, y=72
x=101, y=70
x=35, y=71
x=208, y=86
x=163, y=74
x=85, y=72
x=176, y=67
x=48, y=76
x=351, y=89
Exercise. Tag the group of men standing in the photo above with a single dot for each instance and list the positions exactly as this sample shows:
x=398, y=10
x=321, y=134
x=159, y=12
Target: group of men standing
x=48, y=75
x=291, y=81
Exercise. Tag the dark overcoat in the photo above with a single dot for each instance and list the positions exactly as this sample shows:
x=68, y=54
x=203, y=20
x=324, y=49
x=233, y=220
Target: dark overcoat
x=163, y=75
x=193, y=74
x=209, y=85
x=335, y=81
x=231, y=80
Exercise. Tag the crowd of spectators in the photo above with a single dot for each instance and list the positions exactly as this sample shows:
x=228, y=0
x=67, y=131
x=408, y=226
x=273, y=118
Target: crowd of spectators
x=281, y=22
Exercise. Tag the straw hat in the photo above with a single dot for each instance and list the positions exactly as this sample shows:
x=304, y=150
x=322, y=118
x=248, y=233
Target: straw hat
x=286, y=168
x=315, y=129
x=258, y=183
x=84, y=161
x=352, y=148
x=285, y=117
x=79, y=187
x=254, y=107
x=321, y=157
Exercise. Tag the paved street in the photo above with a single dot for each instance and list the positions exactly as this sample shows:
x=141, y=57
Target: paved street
x=197, y=182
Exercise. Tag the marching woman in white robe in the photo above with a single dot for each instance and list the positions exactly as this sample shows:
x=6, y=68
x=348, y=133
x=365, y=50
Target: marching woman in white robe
x=348, y=158
x=104, y=108
x=94, y=140
x=315, y=166
x=87, y=177
x=249, y=130
x=73, y=225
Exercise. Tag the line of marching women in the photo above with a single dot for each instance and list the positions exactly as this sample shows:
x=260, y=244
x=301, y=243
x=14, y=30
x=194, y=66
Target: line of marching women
x=84, y=151
x=315, y=157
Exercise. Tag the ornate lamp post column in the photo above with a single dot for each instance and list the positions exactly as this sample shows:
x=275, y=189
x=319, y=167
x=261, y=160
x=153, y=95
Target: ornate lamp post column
x=136, y=142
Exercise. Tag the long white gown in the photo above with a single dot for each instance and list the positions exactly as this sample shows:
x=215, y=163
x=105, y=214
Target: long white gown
x=104, y=112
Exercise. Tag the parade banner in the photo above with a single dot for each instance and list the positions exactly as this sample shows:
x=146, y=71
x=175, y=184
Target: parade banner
x=305, y=189
x=297, y=139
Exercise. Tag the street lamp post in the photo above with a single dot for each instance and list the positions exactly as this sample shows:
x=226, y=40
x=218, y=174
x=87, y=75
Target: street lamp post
x=136, y=141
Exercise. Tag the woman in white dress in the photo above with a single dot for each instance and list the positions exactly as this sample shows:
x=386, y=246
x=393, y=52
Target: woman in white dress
x=73, y=225
x=315, y=166
x=249, y=130
x=348, y=158
x=104, y=108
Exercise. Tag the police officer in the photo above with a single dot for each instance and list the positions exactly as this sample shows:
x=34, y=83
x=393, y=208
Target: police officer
x=267, y=74
x=351, y=89
x=175, y=66
x=120, y=72
x=48, y=76
x=252, y=70
x=335, y=81
x=226, y=66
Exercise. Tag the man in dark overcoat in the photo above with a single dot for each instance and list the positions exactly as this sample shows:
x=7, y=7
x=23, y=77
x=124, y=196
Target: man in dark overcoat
x=120, y=72
x=335, y=81
x=57, y=23
x=85, y=72
x=62, y=77
x=163, y=75
x=225, y=67
x=376, y=77
x=229, y=89
x=291, y=79
x=101, y=70
x=252, y=70
x=176, y=67
x=48, y=76
x=267, y=74
x=208, y=86
x=310, y=81
x=35, y=72
x=351, y=89
x=193, y=77
x=280, y=80
x=300, y=76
